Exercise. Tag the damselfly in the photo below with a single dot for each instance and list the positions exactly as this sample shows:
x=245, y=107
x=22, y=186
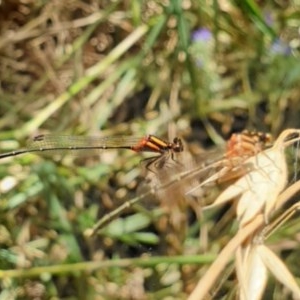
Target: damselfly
x=47, y=144
x=190, y=177
x=238, y=148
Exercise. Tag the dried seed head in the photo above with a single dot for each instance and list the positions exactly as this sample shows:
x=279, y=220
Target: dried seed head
x=247, y=143
x=265, y=177
x=251, y=272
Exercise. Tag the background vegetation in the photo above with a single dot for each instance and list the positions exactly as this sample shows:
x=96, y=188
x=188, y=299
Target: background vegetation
x=195, y=69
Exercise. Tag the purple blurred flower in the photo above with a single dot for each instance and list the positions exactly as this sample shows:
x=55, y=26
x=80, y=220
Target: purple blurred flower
x=268, y=18
x=279, y=47
x=201, y=35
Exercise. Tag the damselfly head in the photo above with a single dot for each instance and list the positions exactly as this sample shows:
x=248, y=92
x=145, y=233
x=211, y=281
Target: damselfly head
x=177, y=145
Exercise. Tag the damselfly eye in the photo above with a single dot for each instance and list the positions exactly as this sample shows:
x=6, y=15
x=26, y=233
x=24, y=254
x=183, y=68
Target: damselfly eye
x=177, y=145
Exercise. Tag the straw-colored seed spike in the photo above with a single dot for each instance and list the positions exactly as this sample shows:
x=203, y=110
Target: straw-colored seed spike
x=265, y=177
x=264, y=183
x=276, y=266
x=252, y=257
x=259, y=187
x=252, y=268
x=252, y=273
x=277, y=170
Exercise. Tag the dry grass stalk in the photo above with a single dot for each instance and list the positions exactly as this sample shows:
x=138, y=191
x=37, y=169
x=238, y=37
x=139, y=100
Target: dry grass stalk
x=258, y=195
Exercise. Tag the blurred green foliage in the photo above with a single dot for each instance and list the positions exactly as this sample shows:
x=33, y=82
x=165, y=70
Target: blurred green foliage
x=197, y=69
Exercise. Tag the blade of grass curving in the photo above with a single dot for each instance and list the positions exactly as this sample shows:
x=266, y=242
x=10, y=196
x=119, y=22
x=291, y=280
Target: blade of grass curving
x=174, y=179
x=99, y=90
x=91, y=74
x=27, y=31
x=183, y=27
x=157, y=24
x=279, y=270
x=96, y=19
x=208, y=279
x=96, y=265
x=283, y=198
x=121, y=92
x=254, y=13
x=110, y=216
x=136, y=9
